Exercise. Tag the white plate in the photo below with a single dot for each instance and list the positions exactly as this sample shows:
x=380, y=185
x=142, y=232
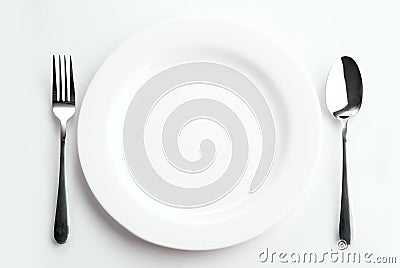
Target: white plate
x=199, y=134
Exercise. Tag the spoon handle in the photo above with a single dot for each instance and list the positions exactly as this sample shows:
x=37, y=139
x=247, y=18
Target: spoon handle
x=345, y=224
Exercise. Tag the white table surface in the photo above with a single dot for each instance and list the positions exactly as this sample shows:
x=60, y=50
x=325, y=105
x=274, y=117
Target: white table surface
x=316, y=32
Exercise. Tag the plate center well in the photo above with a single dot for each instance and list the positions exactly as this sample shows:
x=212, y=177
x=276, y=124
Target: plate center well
x=193, y=131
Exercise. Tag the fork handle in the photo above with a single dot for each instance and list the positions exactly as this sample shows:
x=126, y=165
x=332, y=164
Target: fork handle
x=61, y=228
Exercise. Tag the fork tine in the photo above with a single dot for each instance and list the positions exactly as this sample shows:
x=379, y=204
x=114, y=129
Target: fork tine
x=66, y=96
x=54, y=91
x=60, y=88
x=71, y=82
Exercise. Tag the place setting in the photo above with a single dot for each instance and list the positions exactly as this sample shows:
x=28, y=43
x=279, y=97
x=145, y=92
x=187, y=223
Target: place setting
x=200, y=133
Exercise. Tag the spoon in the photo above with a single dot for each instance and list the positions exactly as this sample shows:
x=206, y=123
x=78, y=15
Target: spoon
x=344, y=91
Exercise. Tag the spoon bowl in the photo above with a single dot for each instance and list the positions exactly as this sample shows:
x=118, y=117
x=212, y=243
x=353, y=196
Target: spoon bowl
x=344, y=89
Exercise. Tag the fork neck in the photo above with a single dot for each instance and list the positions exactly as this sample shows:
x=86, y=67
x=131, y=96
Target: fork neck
x=63, y=132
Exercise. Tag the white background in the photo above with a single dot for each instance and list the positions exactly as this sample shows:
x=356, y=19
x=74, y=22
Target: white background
x=316, y=32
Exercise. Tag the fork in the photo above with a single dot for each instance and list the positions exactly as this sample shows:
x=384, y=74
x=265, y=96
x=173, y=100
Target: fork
x=63, y=103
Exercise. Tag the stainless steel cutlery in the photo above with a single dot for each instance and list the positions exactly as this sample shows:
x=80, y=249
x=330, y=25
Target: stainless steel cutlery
x=63, y=103
x=344, y=92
